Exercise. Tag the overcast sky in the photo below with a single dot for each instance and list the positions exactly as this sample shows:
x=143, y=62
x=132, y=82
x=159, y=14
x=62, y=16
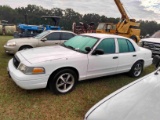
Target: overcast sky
x=138, y=9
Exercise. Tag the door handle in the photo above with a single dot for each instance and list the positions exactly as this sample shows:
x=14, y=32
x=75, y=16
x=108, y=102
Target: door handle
x=56, y=43
x=134, y=55
x=115, y=57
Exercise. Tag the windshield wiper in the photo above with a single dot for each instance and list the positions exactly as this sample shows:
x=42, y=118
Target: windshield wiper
x=68, y=46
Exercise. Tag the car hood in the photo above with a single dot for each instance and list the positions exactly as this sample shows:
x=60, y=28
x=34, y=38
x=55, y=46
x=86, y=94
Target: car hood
x=155, y=40
x=139, y=100
x=23, y=39
x=48, y=53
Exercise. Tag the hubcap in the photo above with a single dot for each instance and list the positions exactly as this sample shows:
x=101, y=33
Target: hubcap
x=65, y=82
x=137, y=70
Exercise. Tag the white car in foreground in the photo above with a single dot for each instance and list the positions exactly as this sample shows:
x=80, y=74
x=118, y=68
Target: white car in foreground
x=139, y=100
x=82, y=57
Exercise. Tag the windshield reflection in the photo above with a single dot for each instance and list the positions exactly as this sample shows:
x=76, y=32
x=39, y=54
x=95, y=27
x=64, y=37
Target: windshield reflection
x=79, y=43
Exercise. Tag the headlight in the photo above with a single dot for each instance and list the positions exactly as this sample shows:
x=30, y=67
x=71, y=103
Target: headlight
x=141, y=43
x=31, y=70
x=11, y=44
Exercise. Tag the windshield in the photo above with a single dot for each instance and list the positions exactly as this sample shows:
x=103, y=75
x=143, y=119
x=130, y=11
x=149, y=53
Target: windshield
x=79, y=43
x=39, y=36
x=156, y=35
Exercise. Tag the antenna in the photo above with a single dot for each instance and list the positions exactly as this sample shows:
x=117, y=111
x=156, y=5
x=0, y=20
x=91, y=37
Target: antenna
x=127, y=11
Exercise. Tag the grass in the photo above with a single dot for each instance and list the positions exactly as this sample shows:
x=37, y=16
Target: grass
x=18, y=104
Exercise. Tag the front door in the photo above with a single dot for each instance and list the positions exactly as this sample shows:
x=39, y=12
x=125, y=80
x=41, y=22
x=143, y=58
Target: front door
x=51, y=39
x=100, y=65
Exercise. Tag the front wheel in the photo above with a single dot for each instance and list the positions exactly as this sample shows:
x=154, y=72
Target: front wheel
x=25, y=48
x=63, y=81
x=136, y=69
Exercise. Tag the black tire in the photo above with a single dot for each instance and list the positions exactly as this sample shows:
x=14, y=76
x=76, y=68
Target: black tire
x=133, y=37
x=136, y=69
x=156, y=61
x=24, y=48
x=63, y=81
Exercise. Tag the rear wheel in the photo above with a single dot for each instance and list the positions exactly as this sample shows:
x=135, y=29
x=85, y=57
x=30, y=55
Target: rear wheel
x=63, y=81
x=136, y=69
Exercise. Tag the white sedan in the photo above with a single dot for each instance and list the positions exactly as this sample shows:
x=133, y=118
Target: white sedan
x=139, y=100
x=82, y=57
x=46, y=38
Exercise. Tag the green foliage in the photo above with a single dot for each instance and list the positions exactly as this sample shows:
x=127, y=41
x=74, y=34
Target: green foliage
x=7, y=13
x=68, y=15
x=149, y=27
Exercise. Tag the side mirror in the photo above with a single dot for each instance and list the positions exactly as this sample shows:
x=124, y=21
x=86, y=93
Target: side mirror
x=98, y=52
x=44, y=39
x=88, y=49
x=156, y=61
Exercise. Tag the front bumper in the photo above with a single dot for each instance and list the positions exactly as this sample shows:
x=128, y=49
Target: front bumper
x=10, y=49
x=27, y=82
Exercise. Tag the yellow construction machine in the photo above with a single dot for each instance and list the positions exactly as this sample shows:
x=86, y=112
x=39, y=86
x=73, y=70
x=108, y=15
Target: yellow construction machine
x=125, y=27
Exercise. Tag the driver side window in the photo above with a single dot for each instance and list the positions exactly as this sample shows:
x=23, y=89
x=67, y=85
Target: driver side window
x=107, y=45
x=53, y=36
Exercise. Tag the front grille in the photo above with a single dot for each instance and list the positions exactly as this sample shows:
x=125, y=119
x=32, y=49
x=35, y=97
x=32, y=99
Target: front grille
x=16, y=61
x=154, y=47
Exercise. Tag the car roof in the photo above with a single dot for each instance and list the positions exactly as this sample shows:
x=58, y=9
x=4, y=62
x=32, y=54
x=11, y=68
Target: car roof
x=61, y=31
x=102, y=35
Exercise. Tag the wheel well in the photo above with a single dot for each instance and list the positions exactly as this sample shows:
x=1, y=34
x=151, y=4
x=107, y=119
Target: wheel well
x=140, y=61
x=71, y=68
x=25, y=46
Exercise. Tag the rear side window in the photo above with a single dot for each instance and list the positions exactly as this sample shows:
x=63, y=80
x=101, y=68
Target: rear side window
x=53, y=36
x=66, y=36
x=107, y=45
x=130, y=45
x=125, y=45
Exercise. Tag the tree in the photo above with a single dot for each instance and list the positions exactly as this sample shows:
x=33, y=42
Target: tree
x=68, y=16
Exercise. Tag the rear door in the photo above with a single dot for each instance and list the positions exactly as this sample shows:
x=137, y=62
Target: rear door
x=51, y=39
x=127, y=54
x=66, y=36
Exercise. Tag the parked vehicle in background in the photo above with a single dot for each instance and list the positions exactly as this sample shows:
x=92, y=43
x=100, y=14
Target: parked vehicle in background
x=152, y=43
x=139, y=100
x=6, y=28
x=83, y=28
x=46, y=38
x=125, y=27
x=79, y=58
x=26, y=30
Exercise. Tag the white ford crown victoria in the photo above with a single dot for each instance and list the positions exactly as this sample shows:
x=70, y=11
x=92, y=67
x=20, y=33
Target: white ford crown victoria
x=82, y=57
